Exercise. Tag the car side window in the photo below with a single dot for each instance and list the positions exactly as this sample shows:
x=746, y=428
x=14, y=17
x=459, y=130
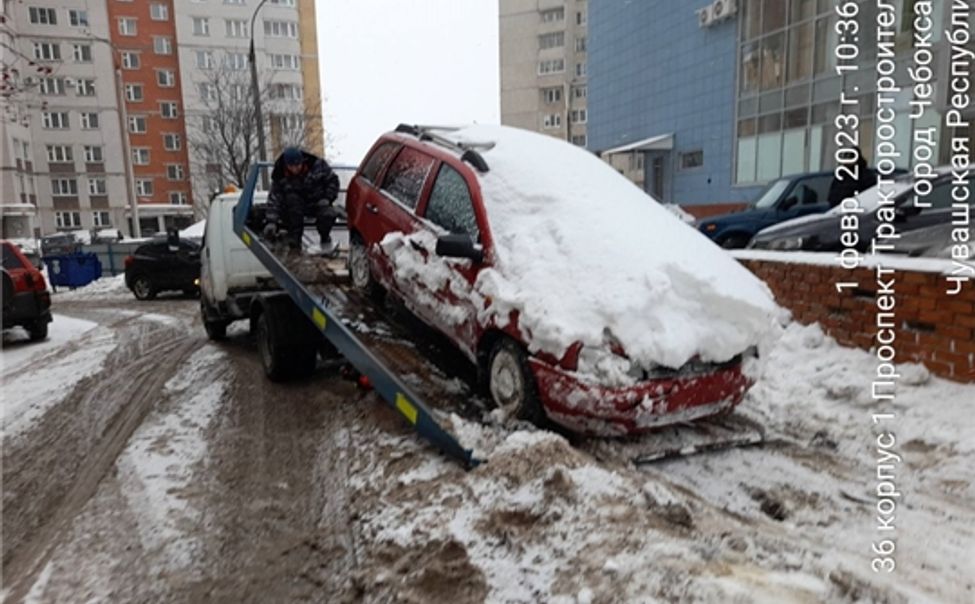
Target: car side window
x=10, y=260
x=405, y=177
x=939, y=197
x=450, y=204
x=818, y=188
x=379, y=158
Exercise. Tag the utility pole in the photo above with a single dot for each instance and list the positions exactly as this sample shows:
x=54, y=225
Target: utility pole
x=255, y=88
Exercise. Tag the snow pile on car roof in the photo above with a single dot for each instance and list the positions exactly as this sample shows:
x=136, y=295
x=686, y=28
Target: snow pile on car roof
x=585, y=255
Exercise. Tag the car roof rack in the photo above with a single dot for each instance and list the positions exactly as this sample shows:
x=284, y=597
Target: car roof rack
x=469, y=151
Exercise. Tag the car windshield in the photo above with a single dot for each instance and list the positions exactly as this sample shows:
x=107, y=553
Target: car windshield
x=771, y=194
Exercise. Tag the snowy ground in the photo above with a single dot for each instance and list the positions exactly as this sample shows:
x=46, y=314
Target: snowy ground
x=143, y=463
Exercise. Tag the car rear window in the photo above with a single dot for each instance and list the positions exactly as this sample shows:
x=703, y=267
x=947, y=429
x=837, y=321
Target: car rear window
x=378, y=159
x=10, y=259
x=405, y=177
x=153, y=250
x=450, y=204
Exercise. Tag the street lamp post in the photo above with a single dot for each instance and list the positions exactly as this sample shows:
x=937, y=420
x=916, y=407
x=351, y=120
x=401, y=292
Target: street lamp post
x=252, y=57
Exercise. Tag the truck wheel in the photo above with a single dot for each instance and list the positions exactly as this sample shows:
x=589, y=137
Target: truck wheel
x=286, y=348
x=38, y=330
x=216, y=330
x=511, y=383
x=359, y=272
x=143, y=288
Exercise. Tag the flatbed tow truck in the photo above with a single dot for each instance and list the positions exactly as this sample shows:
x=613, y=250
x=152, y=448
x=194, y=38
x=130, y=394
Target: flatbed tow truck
x=317, y=309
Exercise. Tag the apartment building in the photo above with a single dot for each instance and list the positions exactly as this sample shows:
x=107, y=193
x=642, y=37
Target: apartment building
x=544, y=68
x=61, y=168
x=213, y=40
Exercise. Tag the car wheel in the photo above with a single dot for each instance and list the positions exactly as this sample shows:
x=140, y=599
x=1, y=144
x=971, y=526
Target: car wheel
x=511, y=383
x=359, y=272
x=735, y=242
x=143, y=288
x=38, y=330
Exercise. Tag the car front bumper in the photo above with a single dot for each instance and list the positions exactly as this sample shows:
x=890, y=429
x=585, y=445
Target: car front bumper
x=609, y=411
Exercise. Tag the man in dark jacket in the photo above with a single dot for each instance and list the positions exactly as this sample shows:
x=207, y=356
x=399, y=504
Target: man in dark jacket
x=302, y=185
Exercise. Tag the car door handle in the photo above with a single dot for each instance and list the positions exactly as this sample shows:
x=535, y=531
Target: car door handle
x=372, y=208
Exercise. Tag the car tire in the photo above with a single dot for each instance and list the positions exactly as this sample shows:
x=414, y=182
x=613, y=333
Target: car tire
x=511, y=384
x=359, y=272
x=734, y=242
x=143, y=288
x=38, y=330
x=285, y=354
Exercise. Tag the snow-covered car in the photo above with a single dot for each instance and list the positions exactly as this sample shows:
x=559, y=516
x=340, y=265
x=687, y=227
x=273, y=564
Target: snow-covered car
x=577, y=296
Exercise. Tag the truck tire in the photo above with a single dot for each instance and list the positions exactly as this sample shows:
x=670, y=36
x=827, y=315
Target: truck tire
x=286, y=340
x=511, y=383
x=216, y=328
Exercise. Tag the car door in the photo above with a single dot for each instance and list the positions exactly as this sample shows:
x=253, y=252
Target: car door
x=807, y=196
x=403, y=185
x=362, y=201
x=449, y=306
x=187, y=264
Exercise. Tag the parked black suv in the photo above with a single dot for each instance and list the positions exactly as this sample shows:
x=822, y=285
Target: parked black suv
x=161, y=266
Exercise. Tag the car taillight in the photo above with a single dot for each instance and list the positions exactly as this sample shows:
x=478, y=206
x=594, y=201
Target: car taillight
x=128, y=261
x=39, y=283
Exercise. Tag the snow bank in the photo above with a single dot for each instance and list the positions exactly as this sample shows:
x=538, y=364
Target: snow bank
x=106, y=287
x=585, y=255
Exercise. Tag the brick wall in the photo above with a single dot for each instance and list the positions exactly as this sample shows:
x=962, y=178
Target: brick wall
x=933, y=328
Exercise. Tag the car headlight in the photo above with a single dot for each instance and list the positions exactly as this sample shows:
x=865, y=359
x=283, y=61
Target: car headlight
x=787, y=244
x=710, y=228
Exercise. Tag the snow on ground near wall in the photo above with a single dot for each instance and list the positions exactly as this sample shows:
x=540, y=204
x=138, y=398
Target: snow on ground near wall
x=901, y=263
x=106, y=287
x=581, y=249
x=542, y=521
x=33, y=382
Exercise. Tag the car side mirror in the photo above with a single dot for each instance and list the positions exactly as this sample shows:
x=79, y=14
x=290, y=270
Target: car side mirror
x=789, y=203
x=459, y=246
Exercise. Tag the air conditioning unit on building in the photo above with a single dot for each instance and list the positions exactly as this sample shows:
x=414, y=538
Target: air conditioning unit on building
x=704, y=16
x=717, y=11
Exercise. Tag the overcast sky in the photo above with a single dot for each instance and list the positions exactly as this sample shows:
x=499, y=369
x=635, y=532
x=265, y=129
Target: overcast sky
x=385, y=62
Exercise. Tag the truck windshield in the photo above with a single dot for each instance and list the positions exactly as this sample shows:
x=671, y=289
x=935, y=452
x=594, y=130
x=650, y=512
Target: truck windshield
x=771, y=194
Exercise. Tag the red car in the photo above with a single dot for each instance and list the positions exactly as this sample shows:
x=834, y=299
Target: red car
x=26, y=301
x=422, y=229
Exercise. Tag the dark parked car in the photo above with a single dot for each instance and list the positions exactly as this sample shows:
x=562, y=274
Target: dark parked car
x=822, y=233
x=162, y=266
x=26, y=301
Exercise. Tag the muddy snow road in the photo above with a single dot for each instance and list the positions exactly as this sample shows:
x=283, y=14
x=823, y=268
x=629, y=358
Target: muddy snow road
x=142, y=462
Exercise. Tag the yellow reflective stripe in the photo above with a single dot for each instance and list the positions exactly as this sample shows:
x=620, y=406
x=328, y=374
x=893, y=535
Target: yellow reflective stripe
x=319, y=318
x=406, y=408
x=246, y=237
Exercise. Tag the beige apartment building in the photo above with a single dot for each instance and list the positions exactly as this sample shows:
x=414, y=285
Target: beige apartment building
x=213, y=41
x=543, y=67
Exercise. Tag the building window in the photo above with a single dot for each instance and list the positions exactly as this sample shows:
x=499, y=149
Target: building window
x=89, y=120
x=555, y=39
x=59, y=153
x=130, y=60
x=552, y=120
x=133, y=93
x=691, y=159
x=177, y=198
x=140, y=156
x=282, y=2
x=162, y=45
x=52, y=86
x=47, y=51
x=93, y=154
x=581, y=69
x=85, y=88
x=78, y=18
x=289, y=62
x=236, y=2
x=172, y=142
x=280, y=29
x=236, y=28
x=553, y=15
x=552, y=95
x=166, y=78
x=68, y=220
x=137, y=124
x=128, y=26
x=143, y=187
x=101, y=218
x=580, y=17
x=201, y=26
x=174, y=172
x=285, y=91
x=82, y=53
x=64, y=187
x=581, y=44
x=159, y=11
x=551, y=66
x=236, y=61
x=55, y=120
x=579, y=116
x=97, y=186
x=208, y=92
x=580, y=92
x=579, y=140
x=169, y=109
x=204, y=59
x=42, y=16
